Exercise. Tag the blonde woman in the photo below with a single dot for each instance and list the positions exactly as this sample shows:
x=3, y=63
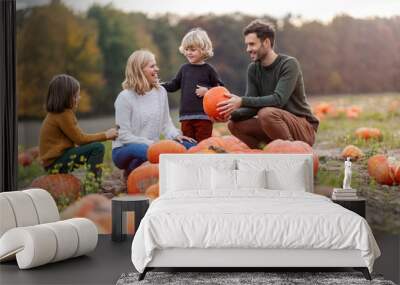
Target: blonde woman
x=142, y=113
x=194, y=78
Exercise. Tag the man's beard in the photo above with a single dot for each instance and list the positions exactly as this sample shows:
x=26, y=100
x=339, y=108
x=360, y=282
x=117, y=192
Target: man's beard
x=261, y=54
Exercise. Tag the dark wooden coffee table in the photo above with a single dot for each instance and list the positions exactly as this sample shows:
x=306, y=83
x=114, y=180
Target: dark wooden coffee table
x=136, y=203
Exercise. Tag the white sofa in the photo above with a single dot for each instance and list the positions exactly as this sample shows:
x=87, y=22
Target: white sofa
x=206, y=217
x=31, y=231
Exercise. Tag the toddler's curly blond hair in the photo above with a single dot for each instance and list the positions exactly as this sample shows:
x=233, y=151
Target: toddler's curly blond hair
x=197, y=38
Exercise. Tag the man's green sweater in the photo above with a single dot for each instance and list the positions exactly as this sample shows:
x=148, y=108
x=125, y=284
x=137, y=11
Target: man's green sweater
x=279, y=85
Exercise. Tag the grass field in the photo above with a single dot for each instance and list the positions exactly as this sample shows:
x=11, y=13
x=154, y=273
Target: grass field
x=380, y=111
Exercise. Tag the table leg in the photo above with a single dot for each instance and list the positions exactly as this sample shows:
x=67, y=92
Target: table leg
x=140, y=211
x=117, y=234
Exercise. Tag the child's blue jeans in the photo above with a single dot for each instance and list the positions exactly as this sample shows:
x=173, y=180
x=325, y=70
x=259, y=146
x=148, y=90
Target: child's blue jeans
x=132, y=155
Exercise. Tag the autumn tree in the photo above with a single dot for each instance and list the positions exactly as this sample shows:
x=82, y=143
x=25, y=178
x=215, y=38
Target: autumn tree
x=346, y=55
x=120, y=34
x=51, y=40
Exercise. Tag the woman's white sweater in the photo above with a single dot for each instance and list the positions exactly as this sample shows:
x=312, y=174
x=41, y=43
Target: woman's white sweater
x=143, y=118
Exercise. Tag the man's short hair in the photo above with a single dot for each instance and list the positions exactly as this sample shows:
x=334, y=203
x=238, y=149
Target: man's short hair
x=262, y=29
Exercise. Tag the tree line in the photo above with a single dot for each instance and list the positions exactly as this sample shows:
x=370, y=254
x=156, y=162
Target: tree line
x=347, y=55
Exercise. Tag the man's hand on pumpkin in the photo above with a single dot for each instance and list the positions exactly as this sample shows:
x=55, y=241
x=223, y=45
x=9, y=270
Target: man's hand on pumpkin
x=225, y=108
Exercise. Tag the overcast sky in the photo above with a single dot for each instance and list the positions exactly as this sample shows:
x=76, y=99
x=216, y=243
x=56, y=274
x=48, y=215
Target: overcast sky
x=308, y=9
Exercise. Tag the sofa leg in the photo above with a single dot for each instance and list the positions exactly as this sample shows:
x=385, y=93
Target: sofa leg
x=143, y=274
x=364, y=271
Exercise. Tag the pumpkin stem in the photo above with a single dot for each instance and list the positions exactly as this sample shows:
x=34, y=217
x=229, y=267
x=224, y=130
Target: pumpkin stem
x=217, y=149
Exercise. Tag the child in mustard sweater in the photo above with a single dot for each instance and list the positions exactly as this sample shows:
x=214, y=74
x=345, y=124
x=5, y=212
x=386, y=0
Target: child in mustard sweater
x=62, y=143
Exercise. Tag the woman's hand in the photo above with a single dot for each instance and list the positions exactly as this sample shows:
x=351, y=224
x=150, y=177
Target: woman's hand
x=112, y=134
x=181, y=138
x=201, y=91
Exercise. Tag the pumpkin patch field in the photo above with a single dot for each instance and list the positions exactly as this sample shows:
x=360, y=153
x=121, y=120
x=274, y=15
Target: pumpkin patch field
x=372, y=140
x=365, y=128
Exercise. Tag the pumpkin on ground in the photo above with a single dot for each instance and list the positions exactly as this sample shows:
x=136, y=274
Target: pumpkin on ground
x=353, y=152
x=248, y=151
x=163, y=146
x=396, y=173
x=394, y=166
x=284, y=146
x=232, y=143
x=353, y=112
x=212, y=97
x=153, y=191
x=368, y=133
x=142, y=177
x=213, y=150
x=323, y=109
x=379, y=169
x=227, y=143
x=94, y=207
x=205, y=144
x=60, y=186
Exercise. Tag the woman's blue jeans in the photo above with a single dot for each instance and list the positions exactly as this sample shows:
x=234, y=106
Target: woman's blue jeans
x=132, y=155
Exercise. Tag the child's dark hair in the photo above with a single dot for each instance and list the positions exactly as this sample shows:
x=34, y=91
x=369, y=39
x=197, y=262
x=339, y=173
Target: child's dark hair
x=60, y=96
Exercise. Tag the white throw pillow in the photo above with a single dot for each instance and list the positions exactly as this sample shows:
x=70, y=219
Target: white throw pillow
x=282, y=174
x=251, y=178
x=223, y=179
x=194, y=174
x=183, y=177
x=292, y=181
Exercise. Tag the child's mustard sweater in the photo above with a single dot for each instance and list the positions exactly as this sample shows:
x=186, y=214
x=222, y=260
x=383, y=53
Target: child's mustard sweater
x=59, y=132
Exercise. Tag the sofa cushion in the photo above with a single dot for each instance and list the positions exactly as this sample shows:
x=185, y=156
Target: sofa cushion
x=26, y=208
x=22, y=207
x=45, y=205
x=7, y=215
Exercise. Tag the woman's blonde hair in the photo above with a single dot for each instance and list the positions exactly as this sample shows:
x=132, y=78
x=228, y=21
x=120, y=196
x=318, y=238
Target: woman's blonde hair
x=134, y=75
x=197, y=38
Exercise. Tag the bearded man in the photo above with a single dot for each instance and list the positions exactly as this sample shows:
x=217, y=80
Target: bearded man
x=275, y=105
